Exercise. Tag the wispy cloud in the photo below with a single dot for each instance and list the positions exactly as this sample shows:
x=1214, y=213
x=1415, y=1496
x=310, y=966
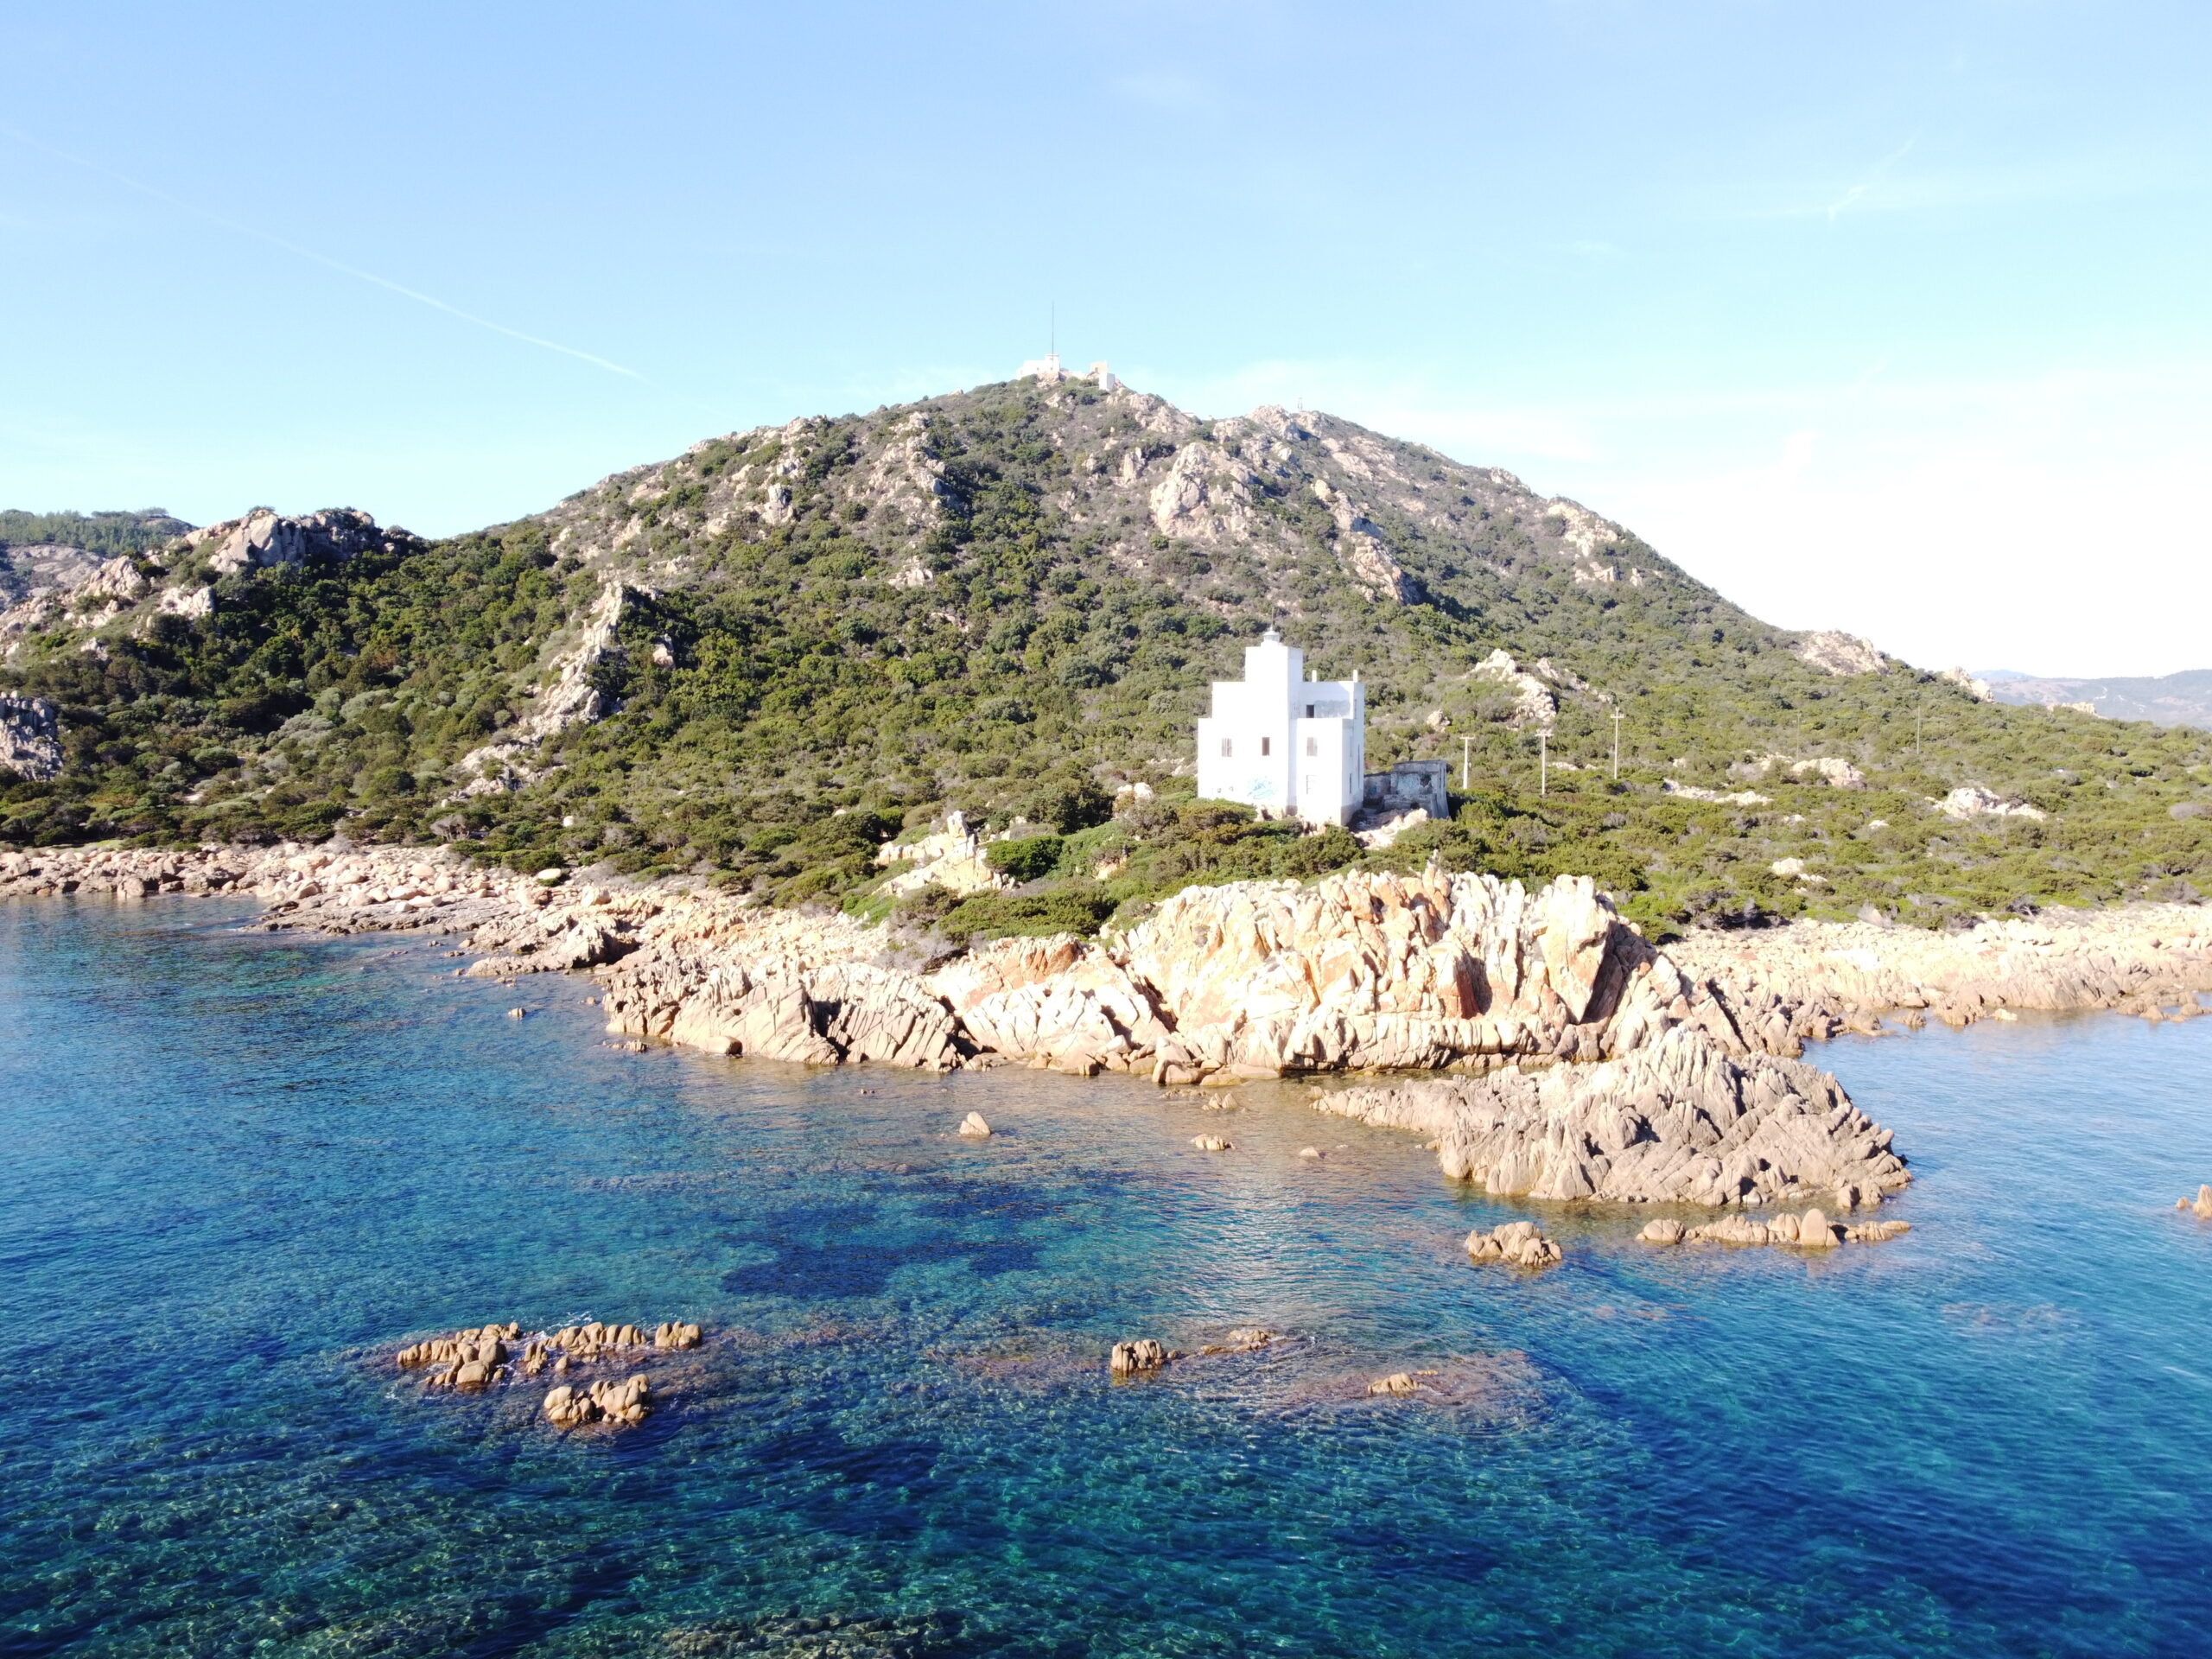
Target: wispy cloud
x=1858, y=192
x=1892, y=186
x=313, y=256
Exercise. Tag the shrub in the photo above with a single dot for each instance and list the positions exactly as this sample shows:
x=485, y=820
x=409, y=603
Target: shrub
x=1031, y=859
x=1078, y=908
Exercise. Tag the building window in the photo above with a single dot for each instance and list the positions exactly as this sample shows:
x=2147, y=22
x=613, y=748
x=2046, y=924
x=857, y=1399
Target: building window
x=1309, y=711
x=1227, y=748
x=1312, y=746
x=1267, y=746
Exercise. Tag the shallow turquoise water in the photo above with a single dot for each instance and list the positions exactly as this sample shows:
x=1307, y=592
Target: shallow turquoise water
x=237, y=1163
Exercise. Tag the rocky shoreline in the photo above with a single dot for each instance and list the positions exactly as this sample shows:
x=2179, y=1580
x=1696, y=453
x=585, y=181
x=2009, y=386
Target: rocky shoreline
x=1814, y=980
x=1587, y=1063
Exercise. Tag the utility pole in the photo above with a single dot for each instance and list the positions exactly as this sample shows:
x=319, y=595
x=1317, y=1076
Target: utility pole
x=1616, y=745
x=1543, y=765
x=1464, y=741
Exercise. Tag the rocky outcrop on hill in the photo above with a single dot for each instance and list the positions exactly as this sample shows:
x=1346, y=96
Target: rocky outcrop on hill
x=1839, y=654
x=45, y=587
x=1534, y=703
x=264, y=537
x=30, y=737
x=953, y=858
x=1973, y=801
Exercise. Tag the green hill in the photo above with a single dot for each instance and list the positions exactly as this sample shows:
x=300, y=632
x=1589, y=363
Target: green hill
x=109, y=534
x=761, y=659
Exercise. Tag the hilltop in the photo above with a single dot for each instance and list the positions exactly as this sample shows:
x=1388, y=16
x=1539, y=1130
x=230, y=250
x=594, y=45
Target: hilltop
x=761, y=660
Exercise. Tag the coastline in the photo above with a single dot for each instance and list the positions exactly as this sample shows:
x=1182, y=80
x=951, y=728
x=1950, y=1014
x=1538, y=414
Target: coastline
x=1592, y=1064
x=1818, y=979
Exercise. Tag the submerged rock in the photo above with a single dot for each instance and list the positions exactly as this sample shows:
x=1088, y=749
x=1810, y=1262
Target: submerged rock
x=1875, y=1232
x=1809, y=1232
x=1515, y=1243
x=1396, y=1382
x=482, y=1357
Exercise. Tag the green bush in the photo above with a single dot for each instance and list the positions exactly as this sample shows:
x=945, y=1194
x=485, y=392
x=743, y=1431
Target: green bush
x=1031, y=859
x=1078, y=908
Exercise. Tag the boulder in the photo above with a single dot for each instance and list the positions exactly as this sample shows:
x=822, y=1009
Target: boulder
x=1211, y=1143
x=1517, y=1244
x=624, y=1403
x=1876, y=1232
x=1733, y=1229
x=489, y=1341
x=565, y=1407
x=1396, y=1382
x=1662, y=1231
x=973, y=1126
x=1137, y=1355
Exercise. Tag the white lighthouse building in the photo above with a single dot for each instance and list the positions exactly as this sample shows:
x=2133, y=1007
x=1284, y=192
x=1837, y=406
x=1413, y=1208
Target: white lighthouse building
x=1285, y=743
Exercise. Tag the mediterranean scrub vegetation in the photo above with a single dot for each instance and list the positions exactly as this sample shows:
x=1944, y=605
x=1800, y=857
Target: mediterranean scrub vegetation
x=759, y=664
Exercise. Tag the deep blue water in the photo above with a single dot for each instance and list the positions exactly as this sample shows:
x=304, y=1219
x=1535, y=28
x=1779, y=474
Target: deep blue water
x=238, y=1165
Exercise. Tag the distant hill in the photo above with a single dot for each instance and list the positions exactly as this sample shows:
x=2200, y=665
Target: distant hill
x=108, y=534
x=759, y=660
x=2184, y=699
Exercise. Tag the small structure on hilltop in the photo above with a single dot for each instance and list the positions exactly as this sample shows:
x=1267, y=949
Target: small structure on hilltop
x=1047, y=370
x=1290, y=745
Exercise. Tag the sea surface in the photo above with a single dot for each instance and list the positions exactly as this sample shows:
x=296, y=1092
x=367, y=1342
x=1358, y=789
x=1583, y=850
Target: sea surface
x=239, y=1166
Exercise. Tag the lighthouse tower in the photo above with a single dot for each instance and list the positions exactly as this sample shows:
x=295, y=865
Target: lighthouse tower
x=1287, y=744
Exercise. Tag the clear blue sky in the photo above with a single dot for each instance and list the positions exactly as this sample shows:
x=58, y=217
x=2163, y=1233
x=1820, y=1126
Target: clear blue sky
x=1889, y=317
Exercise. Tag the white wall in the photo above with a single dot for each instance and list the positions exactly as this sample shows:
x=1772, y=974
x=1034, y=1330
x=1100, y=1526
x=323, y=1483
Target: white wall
x=1264, y=721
